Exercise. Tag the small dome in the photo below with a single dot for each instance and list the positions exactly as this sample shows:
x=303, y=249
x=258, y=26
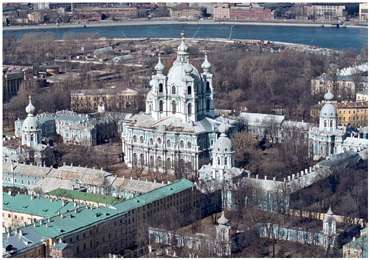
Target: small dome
x=328, y=96
x=183, y=48
x=159, y=66
x=30, y=124
x=206, y=65
x=328, y=110
x=222, y=220
x=30, y=109
x=178, y=73
x=223, y=143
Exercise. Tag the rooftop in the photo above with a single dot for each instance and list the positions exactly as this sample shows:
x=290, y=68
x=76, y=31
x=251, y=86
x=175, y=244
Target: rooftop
x=36, y=206
x=84, y=217
x=85, y=196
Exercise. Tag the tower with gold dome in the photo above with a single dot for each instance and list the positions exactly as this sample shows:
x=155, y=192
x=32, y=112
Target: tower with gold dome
x=31, y=133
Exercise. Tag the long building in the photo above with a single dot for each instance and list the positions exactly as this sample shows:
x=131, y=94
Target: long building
x=97, y=232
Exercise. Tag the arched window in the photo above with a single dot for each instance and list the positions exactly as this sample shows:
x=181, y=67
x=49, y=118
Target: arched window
x=181, y=144
x=189, y=90
x=159, y=140
x=159, y=161
x=141, y=139
x=168, y=163
x=173, y=90
x=331, y=123
x=208, y=105
x=225, y=162
x=160, y=88
x=150, y=108
x=31, y=137
x=189, y=109
x=160, y=106
x=134, y=159
x=174, y=107
x=218, y=161
x=324, y=123
x=189, y=145
x=151, y=161
x=208, y=88
x=168, y=143
x=134, y=139
x=142, y=159
x=151, y=141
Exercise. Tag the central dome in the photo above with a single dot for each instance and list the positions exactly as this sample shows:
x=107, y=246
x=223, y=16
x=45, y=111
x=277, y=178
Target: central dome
x=178, y=73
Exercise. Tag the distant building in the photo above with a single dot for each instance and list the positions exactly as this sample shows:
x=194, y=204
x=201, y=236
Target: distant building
x=363, y=13
x=354, y=113
x=242, y=13
x=344, y=83
x=325, y=12
x=12, y=79
x=184, y=11
x=99, y=13
x=114, y=99
x=362, y=96
x=358, y=247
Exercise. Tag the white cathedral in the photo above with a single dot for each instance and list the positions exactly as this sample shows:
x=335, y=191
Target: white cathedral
x=179, y=127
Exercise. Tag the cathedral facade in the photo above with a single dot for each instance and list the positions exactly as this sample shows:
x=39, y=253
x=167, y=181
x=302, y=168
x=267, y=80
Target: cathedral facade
x=179, y=125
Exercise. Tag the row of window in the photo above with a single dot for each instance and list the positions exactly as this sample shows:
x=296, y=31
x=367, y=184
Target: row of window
x=159, y=141
x=173, y=89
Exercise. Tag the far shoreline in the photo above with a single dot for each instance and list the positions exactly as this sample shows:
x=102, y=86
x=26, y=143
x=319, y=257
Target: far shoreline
x=169, y=22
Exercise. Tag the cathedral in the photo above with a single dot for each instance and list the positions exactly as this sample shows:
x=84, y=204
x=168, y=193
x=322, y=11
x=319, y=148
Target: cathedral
x=179, y=126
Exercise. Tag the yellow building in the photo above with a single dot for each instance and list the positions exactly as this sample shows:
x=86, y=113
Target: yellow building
x=354, y=113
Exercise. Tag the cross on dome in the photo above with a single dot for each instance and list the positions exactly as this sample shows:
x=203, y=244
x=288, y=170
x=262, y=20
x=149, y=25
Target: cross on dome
x=30, y=109
x=159, y=67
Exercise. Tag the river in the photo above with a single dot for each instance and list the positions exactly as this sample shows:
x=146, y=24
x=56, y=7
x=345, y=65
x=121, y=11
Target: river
x=324, y=37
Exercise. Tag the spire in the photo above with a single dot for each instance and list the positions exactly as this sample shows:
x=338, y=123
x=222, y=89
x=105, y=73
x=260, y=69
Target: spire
x=182, y=50
x=159, y=67
x=206, y=65
x=30, y=109
x=330, y=212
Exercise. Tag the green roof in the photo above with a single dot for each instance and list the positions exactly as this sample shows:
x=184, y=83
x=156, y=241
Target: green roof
x=85, y=196
x=86, y=217
x=36, y=206
x=360, y=243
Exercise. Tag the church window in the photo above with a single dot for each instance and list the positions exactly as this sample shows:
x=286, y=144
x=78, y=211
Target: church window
x=150, y=108
x=168, y=143
x=134, y=159
x=31, y=138
x=208, y=88
x=134, y=139
x=218, y=161
x=151, y=141
x=159, y=140
x=160, y=106
x=173, y=90
x=159, y=161
x=324, y=123
x=331, y=123
x=168, y=163
x=141, y=139
x=189, y=145
x=189, y=90
x=160, y=87
x=181, y=144
x=142, y=159
x=225, y=162
x=173, y=107
x=151, y=161
x=189, y=109
x=208, y=105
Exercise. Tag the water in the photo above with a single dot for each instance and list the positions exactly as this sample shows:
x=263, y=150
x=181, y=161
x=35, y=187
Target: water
x=328, y=37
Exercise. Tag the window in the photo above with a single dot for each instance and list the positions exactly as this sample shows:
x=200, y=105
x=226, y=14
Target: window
x=181, y=144
x=168, y=163
x=134, y=138
x=173, y=90
x=189, y=109
x=159, y=161
x=225, y=162
x=31, y=137
x=142, y=159
x=208, y=88
x=160, y=87
x=168, y=143
x=173, y=107
x=159, y=140
x=189, y=145
x=189, y=90
x=151, y=141
x=160, y=106
x=208, y=105
x=218, y=161
x=141, y=139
